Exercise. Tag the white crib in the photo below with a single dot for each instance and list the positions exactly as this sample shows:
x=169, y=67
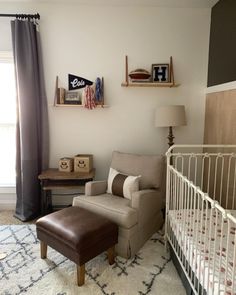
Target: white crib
x=201, y=217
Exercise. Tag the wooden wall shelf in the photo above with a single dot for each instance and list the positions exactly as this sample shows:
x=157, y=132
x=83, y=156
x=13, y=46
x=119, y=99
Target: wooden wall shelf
x=127, y=83
x=58, y=104
x=148, y=84
x=78, y=106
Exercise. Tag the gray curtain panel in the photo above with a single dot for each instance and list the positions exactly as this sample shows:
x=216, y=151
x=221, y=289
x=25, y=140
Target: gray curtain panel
x=32, y=135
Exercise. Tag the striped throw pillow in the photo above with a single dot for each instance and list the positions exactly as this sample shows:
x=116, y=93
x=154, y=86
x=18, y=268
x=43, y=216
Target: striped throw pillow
x=122, y=185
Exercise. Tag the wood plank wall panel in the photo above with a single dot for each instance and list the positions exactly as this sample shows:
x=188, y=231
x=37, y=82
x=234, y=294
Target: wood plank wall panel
x=220, y=128
x=220, y=118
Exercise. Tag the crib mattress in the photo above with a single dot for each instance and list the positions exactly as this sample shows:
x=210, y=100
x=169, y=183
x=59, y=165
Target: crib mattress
x=212, y=262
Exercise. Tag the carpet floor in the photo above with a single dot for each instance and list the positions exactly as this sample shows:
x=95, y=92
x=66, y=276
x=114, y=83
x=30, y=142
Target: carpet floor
x=7, y=217
x=23, y=272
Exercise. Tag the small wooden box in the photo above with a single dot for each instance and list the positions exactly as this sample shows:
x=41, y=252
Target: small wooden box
x=66, y=164
x=83, y=163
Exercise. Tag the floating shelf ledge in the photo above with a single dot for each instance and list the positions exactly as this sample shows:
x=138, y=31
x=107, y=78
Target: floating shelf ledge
x=148, y=84
x=170, y=84
x=79, y=106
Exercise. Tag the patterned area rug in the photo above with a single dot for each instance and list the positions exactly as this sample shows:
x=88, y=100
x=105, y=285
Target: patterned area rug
x=23, y=272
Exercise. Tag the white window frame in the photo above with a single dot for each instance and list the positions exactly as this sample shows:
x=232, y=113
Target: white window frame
x=7, y=56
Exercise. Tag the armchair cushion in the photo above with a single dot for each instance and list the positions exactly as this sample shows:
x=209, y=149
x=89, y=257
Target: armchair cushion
x=114, y=208
x=149, y=167
x=122, y=185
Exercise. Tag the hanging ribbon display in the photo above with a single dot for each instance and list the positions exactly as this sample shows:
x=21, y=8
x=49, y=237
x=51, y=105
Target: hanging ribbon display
x=98, y=90
x=89, y=98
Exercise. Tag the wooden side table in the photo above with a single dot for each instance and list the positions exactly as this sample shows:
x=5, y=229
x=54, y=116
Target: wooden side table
x=54, y=179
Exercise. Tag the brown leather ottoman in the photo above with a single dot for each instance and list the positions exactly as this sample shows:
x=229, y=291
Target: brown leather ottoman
x=78, y=234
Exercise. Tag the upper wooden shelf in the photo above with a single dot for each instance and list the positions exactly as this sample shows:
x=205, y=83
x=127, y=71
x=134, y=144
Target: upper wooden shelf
x=78, y=105
x=170, y=84
x=148, y=84
x=55, y=174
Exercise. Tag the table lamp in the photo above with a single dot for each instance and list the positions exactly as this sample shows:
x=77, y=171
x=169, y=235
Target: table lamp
x=170, y=116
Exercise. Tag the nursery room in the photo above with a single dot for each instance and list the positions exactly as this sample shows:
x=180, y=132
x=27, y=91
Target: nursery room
x=118, y=143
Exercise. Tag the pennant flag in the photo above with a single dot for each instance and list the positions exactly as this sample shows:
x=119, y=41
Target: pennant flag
x=75, y=82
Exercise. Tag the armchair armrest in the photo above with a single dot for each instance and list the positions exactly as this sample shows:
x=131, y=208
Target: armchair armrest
x=93, y=188
x=147, y=202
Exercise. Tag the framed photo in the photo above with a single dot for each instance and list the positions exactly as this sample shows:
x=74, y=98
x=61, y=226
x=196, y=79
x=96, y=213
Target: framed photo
x=160, y=73
x=72, y=97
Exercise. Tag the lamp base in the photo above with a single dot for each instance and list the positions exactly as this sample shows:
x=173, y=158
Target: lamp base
x=170, y=137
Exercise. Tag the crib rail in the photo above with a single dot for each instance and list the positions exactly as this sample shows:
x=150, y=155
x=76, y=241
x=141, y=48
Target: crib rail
x=212, y=168
x=199, y=225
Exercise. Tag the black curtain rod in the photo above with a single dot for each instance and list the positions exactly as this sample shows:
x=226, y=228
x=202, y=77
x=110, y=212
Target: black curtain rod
x=35, y=16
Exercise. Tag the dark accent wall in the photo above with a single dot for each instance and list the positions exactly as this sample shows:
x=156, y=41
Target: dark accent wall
x=222, y=48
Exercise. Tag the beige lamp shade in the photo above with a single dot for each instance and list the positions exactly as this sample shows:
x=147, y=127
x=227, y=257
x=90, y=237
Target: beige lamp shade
x=170, y=116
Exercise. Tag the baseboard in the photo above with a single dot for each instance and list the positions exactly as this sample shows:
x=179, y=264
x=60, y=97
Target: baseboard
x=7, y=201
x=62, y=200
x=65, y=197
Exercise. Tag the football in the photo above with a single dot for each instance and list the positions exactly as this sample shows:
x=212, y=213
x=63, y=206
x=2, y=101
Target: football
x=139, y=74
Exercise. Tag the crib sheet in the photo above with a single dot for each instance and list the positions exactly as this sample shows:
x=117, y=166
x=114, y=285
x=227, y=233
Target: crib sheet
x=210, y=261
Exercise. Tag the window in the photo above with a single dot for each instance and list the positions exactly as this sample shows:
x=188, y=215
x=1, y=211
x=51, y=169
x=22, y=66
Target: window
x=7, y=120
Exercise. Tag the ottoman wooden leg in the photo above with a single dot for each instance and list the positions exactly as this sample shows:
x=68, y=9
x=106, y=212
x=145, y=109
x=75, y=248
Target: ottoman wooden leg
x=111, y=255
x=43, y=249
x=80, y=274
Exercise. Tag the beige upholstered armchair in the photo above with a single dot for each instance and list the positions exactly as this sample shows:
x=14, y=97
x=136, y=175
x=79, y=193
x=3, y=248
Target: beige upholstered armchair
x=134, y=202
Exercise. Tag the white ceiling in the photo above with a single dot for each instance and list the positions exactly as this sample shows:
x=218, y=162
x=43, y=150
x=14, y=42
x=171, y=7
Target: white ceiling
x=165, y=3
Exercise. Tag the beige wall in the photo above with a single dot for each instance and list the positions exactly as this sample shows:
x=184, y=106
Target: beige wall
x=92, y=41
